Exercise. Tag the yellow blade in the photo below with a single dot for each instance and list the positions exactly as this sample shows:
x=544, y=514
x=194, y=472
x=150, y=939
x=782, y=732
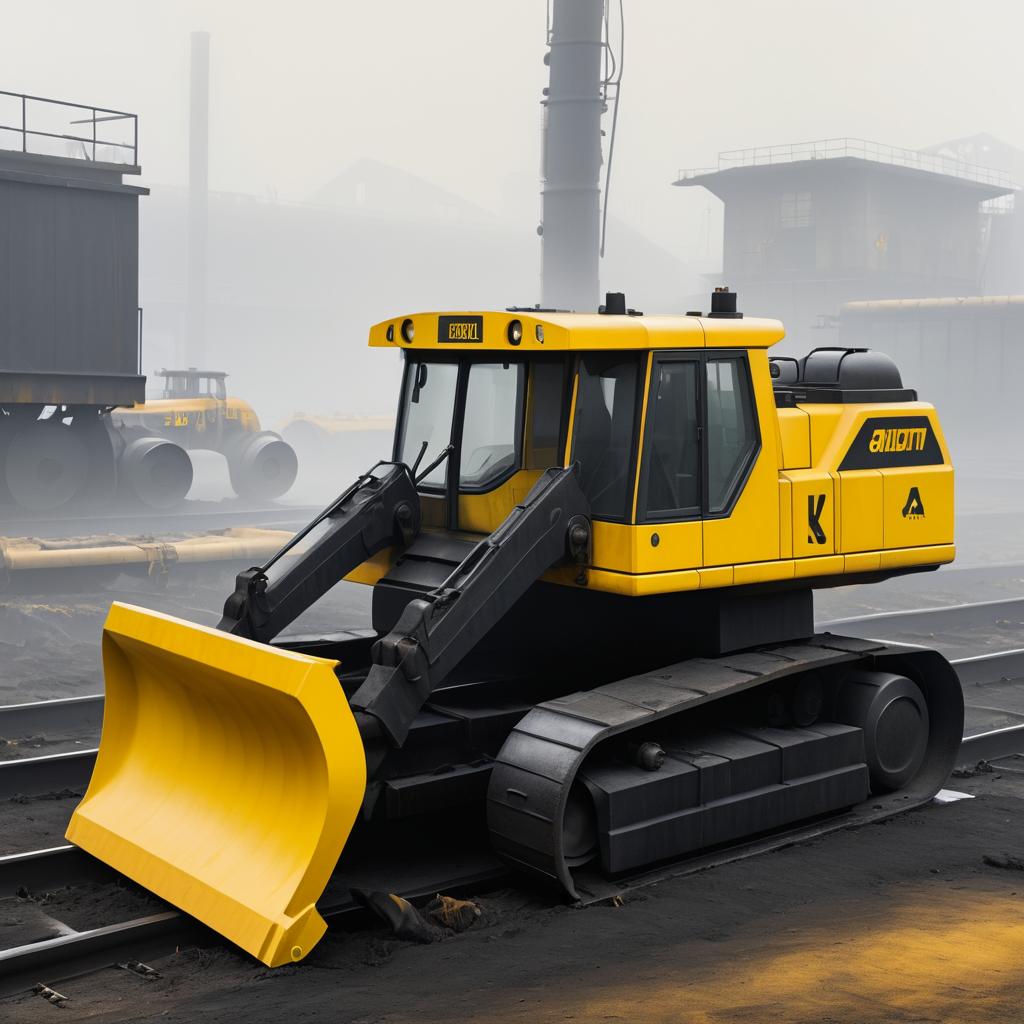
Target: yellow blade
x=228, y=778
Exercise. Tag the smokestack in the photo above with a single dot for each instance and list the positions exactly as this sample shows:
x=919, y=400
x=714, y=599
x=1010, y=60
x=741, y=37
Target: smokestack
x=572, y=156
x=198, y=201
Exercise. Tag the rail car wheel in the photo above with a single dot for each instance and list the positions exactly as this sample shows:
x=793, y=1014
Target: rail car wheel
x=263, y=467
x=892, y=712
x=47, y=464
x=156, y=472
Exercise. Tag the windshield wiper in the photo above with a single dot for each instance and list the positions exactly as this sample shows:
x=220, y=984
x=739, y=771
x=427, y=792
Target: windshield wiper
x=445, y=452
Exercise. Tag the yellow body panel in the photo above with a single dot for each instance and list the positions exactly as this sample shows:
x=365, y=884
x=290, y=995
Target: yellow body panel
x=720, y=576
x=939, y=554
x=917, y=506
x=484, y=513
x=812, y=497
x=795, y=438
x=861, y=513
x=679, y=546
x=868, y=561
x=785, y=516
x=228, y=778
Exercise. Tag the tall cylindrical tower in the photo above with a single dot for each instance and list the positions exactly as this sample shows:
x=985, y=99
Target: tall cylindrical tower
x=572, y=156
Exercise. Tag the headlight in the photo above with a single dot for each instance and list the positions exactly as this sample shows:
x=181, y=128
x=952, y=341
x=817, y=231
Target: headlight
x=515, y=332
x=408, y=331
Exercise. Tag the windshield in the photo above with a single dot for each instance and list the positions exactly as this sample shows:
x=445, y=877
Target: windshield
x=428, y=403
x=511, y=418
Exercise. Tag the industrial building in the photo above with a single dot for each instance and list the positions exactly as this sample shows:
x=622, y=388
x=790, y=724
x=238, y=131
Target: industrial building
x=809, y=227
x=857, y=243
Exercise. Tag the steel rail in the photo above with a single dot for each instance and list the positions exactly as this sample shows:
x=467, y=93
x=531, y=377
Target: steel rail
x=928, y=620
x=76, y=953
x=64, y=715
x=51, y=773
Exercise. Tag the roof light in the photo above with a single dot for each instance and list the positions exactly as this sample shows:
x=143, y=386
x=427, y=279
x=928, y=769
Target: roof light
x=515, y=332
x=408, y=331
x=390, y=332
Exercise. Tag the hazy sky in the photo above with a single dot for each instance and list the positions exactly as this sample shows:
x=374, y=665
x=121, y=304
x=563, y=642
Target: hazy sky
x=450, y=89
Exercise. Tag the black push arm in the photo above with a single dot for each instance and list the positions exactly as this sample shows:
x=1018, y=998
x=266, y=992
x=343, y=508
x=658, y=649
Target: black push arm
x=437, y=631
x=380, y=509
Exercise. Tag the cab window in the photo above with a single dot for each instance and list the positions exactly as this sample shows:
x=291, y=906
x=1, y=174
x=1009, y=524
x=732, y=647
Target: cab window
x=671, y=474
x=428, y=404
x=732, y=438
x=492, y=425
x=604, y=429
x=545, y=415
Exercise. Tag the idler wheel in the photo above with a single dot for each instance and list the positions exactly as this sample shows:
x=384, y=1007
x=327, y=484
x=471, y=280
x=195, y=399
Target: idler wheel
x=46, y=466
x=579, y=827
x=892, y=712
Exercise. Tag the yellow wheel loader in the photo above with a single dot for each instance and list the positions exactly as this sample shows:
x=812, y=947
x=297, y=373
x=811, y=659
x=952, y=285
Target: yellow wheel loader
x=195, y=411
x=592, y=551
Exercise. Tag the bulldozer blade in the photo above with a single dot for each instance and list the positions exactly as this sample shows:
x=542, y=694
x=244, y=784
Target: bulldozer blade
x=228, y=778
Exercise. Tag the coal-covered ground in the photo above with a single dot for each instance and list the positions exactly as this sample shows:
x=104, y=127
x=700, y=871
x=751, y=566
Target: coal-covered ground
x=907, y=921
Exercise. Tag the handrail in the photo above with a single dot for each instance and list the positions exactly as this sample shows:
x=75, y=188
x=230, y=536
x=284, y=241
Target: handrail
x=830, y=149
x=90, y=142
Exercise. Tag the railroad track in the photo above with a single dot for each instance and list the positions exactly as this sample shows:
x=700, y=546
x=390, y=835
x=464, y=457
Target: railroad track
x=990, y=733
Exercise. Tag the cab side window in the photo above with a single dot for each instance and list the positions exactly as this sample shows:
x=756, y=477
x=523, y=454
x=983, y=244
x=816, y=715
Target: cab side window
x=605, y=431
x=670, y=480
x=492, y=427
x=732, y=438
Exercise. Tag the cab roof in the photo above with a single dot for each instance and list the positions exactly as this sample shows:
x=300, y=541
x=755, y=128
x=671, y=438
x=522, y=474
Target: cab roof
x=476, y=330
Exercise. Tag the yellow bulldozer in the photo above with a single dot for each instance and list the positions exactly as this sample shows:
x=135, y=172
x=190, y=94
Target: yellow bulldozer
x=593, y=550
x=195, y=411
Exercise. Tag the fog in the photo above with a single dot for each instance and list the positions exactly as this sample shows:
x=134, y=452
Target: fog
x=367, y=159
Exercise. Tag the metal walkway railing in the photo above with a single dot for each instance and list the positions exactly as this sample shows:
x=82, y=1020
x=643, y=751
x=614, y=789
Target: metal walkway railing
x=830, y=149
x=34, y=124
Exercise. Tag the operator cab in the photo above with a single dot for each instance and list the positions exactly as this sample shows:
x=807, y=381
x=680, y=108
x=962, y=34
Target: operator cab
x=193, y=383
x=506, y=418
